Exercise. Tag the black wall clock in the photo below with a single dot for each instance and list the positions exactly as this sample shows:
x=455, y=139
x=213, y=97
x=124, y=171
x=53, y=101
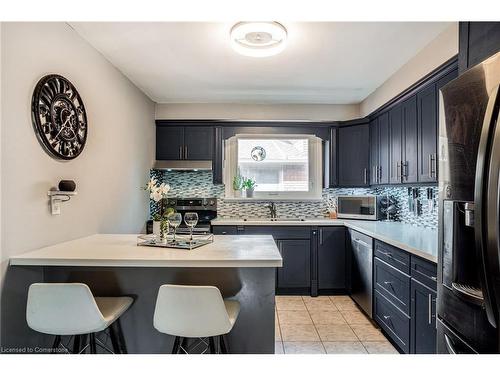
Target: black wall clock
x=59, y=117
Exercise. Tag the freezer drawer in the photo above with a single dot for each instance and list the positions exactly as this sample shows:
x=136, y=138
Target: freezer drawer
x=448, y=341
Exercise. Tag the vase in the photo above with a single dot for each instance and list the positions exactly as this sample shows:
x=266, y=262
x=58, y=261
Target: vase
x=156, y=228
x=237, y=193
x=249, y=193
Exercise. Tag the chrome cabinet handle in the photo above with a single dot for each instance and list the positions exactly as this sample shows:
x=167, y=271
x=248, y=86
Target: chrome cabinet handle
x=387, y=317
x=435, y=169
x=430, y=166
x=321, y=236
x=398, y=170
x=430, y=309
x=379, y=173
x=365, y=175
x=180, y=152
x=185, y=152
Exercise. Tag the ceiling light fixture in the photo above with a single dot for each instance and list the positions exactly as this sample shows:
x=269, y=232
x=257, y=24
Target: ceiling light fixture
x=258, y=39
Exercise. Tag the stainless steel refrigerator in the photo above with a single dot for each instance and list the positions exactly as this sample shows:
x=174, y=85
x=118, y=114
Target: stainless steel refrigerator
x=469, y=212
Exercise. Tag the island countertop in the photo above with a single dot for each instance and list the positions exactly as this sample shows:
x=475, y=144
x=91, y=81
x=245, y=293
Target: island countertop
x=121, y=250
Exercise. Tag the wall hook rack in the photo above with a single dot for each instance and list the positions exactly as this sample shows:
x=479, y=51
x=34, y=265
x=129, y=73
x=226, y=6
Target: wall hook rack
x=57, y=197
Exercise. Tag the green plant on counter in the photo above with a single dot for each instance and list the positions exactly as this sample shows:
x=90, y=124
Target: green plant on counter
x=238, y=180
x=249, y=183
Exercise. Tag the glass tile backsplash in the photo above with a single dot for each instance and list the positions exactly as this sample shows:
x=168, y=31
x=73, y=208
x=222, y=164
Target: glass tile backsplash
x=199, y=184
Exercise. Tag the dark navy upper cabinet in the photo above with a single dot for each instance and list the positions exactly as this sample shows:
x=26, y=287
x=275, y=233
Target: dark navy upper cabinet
x=477, y=42
x=423, y=321
x=427, y=131
x=169, y=142
x=331, y=258
x=354, y=155
x=184, y=142
x=410, y=141
x=374, y=152
x=395, y=146
x=383, y=148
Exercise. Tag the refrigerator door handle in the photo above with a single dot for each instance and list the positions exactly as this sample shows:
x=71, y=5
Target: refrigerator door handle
x=487, y=205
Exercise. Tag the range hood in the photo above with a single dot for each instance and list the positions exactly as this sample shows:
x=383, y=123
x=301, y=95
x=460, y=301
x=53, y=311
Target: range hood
x=183, y=165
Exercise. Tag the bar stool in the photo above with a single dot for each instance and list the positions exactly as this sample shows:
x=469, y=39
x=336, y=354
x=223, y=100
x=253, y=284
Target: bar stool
x=70, y=309
x=194, y=312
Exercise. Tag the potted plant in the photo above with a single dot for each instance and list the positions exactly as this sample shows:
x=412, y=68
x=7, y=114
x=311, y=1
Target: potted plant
x=157, y=192
x=249, y=186
x=238, y=180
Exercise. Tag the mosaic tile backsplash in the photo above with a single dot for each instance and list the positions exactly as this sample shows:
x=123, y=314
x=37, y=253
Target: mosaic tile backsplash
x=199, y=184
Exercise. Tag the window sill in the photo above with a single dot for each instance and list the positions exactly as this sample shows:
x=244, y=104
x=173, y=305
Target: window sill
x=254, y=200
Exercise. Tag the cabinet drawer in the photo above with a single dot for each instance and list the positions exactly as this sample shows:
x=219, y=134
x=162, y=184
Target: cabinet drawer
x=288, y=233
x=424, y=271
x=393, y=321
x=393, y=284
x=394, y=256
x=229, y=229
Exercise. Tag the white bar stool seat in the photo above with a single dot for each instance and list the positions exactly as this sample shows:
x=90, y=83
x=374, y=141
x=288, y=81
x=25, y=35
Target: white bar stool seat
x=194, y=312
x=70, y=309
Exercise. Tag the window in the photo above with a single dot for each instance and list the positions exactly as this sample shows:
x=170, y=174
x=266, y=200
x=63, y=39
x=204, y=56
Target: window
x=283, y=166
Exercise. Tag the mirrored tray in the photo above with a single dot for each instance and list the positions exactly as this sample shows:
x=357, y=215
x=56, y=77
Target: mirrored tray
x=181, y=241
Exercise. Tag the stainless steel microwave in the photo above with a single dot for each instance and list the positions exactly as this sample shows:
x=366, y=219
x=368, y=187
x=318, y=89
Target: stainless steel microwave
x=358, y=207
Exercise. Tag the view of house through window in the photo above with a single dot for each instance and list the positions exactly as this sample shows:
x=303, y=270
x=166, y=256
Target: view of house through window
x=277, y=165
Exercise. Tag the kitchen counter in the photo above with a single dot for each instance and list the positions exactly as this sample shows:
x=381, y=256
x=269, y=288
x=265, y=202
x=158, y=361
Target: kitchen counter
x=422, y=242
x=121, y=250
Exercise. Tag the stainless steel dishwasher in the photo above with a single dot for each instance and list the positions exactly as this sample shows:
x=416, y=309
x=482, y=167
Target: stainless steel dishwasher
x=362, y=270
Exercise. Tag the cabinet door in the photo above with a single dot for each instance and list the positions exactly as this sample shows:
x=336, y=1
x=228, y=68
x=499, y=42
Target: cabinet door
x=423, y=319
x=427, y=133
x=331, y=258
x=169, y=142
x=410, y=137
x=483, y=41
x=374, y=152
x=395, y=147
x=198, y=142
x=384, y=149
x=296, y=270
x=354, y=155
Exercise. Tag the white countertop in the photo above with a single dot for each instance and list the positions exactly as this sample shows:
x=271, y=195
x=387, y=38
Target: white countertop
x=422, y=242
x=121, y=250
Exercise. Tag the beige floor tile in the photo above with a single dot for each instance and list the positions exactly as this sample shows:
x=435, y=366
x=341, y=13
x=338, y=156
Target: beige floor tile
x=290, y=303
x=344, y=347
x=294, y=317
x=326, y=317
x=299, y=332
x=318, y=303
x=355, y=317
x=303, y=347
x=383, y=347
x=340, y=299
x=278, y=348
x=336, y=332
x=367, y=332
x=346, y=306
x=277, y=332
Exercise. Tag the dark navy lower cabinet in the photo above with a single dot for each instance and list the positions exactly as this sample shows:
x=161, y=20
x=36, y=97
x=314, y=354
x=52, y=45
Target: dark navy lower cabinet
x=392, y=320
x=296, y=270
x=332, y=263
x=423, y=323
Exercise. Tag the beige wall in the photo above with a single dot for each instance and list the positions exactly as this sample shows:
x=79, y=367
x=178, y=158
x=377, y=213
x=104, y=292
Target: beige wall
x=317, y=112
x=441, y=49
x=109, y=172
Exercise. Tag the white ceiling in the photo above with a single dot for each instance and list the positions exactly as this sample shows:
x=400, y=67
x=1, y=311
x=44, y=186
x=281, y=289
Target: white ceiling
x=192, y=62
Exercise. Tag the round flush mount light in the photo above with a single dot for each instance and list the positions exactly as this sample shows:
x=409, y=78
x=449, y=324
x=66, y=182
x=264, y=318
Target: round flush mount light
x=258, y=39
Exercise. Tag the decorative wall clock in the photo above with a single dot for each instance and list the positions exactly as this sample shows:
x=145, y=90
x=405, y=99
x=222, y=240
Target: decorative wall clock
x=59, y=117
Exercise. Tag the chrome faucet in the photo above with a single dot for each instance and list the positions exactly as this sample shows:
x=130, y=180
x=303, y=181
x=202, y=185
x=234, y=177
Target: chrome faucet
x=272, y=208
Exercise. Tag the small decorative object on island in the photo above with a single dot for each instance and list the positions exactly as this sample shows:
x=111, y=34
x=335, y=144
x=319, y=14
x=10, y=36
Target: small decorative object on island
x=249, y=187
x=59, y=117
x=157, y=192
x=238, y=184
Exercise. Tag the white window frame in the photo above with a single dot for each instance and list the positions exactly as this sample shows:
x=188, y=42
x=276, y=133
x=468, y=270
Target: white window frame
x=315, y=168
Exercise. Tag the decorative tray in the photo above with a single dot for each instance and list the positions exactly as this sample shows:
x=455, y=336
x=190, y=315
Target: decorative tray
x=181, y=242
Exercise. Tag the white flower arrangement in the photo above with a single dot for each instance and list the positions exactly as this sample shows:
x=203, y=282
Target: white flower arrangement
x=157, y=191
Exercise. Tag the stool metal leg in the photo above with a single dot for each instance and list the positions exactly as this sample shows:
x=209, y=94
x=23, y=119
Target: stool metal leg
x=184, y=347
x=55, y=345
x=175, y=348
x=211, y=344
x=76, y=344
x=114, y=339
x=121, y=338
x=93, y=346
x=223, y=347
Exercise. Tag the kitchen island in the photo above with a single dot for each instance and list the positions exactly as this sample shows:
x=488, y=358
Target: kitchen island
x=242, y=267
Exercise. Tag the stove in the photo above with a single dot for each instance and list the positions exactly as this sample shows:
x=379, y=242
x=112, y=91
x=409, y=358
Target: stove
x=206, y=208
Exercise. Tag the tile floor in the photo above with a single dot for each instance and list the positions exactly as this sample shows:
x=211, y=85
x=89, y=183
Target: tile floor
x=326, y=325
